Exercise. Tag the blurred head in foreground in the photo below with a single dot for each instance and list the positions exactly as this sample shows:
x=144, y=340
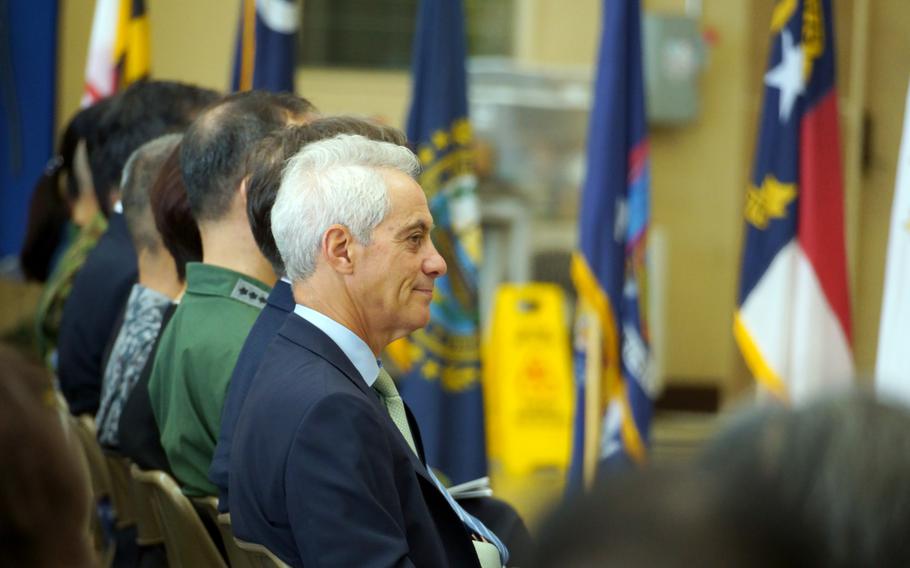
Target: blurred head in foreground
x=836, y=468
x=654, y=517
x=44, y=488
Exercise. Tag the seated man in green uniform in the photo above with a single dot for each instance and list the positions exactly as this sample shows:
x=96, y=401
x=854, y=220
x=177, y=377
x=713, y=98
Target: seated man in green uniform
x=225, y=292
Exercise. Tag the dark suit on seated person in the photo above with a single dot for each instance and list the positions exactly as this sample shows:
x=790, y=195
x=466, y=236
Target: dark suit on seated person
x=326, y=465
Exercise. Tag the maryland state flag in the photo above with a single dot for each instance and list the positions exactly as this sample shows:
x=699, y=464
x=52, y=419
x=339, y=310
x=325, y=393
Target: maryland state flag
x=441, y=382
x=793, y=321
x=118, y=52
x=609, y=269
x=265, y=57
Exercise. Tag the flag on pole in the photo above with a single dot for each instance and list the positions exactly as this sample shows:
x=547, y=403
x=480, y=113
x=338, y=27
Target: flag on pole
x=28, y=77
x=118, y=52
x=441, y=363
x=892, y=370
x=793, y=318
x=609, y=268
x=265, y=57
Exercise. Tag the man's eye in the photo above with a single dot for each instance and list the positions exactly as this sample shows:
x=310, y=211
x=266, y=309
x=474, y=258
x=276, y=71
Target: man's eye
x=416, y=238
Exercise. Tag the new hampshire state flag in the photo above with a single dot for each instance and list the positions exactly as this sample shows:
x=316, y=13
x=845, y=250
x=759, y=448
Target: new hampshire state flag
x=793, y=321
x=442, y=381
x=609, y=268
x=265, y=57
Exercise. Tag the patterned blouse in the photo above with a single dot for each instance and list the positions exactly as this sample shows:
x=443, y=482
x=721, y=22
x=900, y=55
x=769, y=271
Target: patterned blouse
x=59, y=285
x=141, y=323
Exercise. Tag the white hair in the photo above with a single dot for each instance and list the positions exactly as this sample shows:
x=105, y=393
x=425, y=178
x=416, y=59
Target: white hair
x=328, y=182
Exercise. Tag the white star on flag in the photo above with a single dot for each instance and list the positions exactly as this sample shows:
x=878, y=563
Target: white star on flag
x=787, y=76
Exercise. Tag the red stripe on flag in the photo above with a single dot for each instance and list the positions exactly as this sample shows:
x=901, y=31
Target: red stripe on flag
x=821, y=205
x=638, y=157
x=93, y=93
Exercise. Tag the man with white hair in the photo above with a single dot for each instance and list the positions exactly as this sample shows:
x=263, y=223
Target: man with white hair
x=327, y=468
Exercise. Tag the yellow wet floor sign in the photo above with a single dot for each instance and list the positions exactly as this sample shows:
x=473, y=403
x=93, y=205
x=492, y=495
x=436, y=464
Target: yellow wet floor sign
x=528, y=389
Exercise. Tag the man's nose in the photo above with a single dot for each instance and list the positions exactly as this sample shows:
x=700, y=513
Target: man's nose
x=434, y=266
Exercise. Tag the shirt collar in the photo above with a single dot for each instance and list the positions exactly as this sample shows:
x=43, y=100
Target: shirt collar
x=210, y=280
x=349, y=342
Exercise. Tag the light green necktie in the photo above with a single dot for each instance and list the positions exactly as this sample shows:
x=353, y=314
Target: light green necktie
x=385, y=386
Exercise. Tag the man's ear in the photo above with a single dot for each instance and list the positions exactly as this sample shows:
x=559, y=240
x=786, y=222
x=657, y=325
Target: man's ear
x=113, y=196
x=336, y=248
x=244, y=186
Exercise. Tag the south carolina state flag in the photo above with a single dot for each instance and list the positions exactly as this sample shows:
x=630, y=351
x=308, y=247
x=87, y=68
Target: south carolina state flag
x=793, y=322
x=265, y=55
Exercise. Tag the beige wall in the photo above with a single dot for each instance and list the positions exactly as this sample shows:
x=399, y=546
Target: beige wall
x=699, y=170
x=699, y=177
x=887, y=73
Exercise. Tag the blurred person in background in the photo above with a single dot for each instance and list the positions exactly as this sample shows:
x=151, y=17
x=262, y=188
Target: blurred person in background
x=45, y=502
x=835, y=469
x=143, y=112
x=79, y=236
x=225, y=292
x=158, y=286
x=667, y=517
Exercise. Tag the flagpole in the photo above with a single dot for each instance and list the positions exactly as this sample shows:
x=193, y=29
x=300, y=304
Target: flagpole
x=593, y=380
x=853, y=158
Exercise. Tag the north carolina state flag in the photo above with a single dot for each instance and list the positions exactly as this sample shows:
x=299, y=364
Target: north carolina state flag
x=793, y=320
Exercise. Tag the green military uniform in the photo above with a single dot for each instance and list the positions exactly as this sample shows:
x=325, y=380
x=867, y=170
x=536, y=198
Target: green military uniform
x=60, y=283
x=193, y=365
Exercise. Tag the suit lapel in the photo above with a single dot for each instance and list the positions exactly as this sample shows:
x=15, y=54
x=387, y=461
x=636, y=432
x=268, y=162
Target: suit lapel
x=308, y=336
x=415, y=433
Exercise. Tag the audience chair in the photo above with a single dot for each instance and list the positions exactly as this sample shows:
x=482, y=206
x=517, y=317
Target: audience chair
x=148, y=531
x=237, y=557
x=255, y=555
x=82, y=429
x=186, y=541
x=121, y=493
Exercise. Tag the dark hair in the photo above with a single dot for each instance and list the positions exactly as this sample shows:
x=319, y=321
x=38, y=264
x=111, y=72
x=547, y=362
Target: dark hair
x=213, y=152
x=139, y=174
x=44, y=487
x=49, y=208
x=143, y=112
x=659, y=516
x=173, y=215
x=83, y=127
x=48, y=213
x=266, y=162
x=837, y=468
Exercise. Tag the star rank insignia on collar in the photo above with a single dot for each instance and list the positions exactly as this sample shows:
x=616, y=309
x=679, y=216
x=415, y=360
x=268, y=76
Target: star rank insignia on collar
x=249, y=293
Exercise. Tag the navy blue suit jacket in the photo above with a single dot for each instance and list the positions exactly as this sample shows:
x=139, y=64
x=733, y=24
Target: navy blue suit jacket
x=321, y=476
x=99, y=293
x=279, y=304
